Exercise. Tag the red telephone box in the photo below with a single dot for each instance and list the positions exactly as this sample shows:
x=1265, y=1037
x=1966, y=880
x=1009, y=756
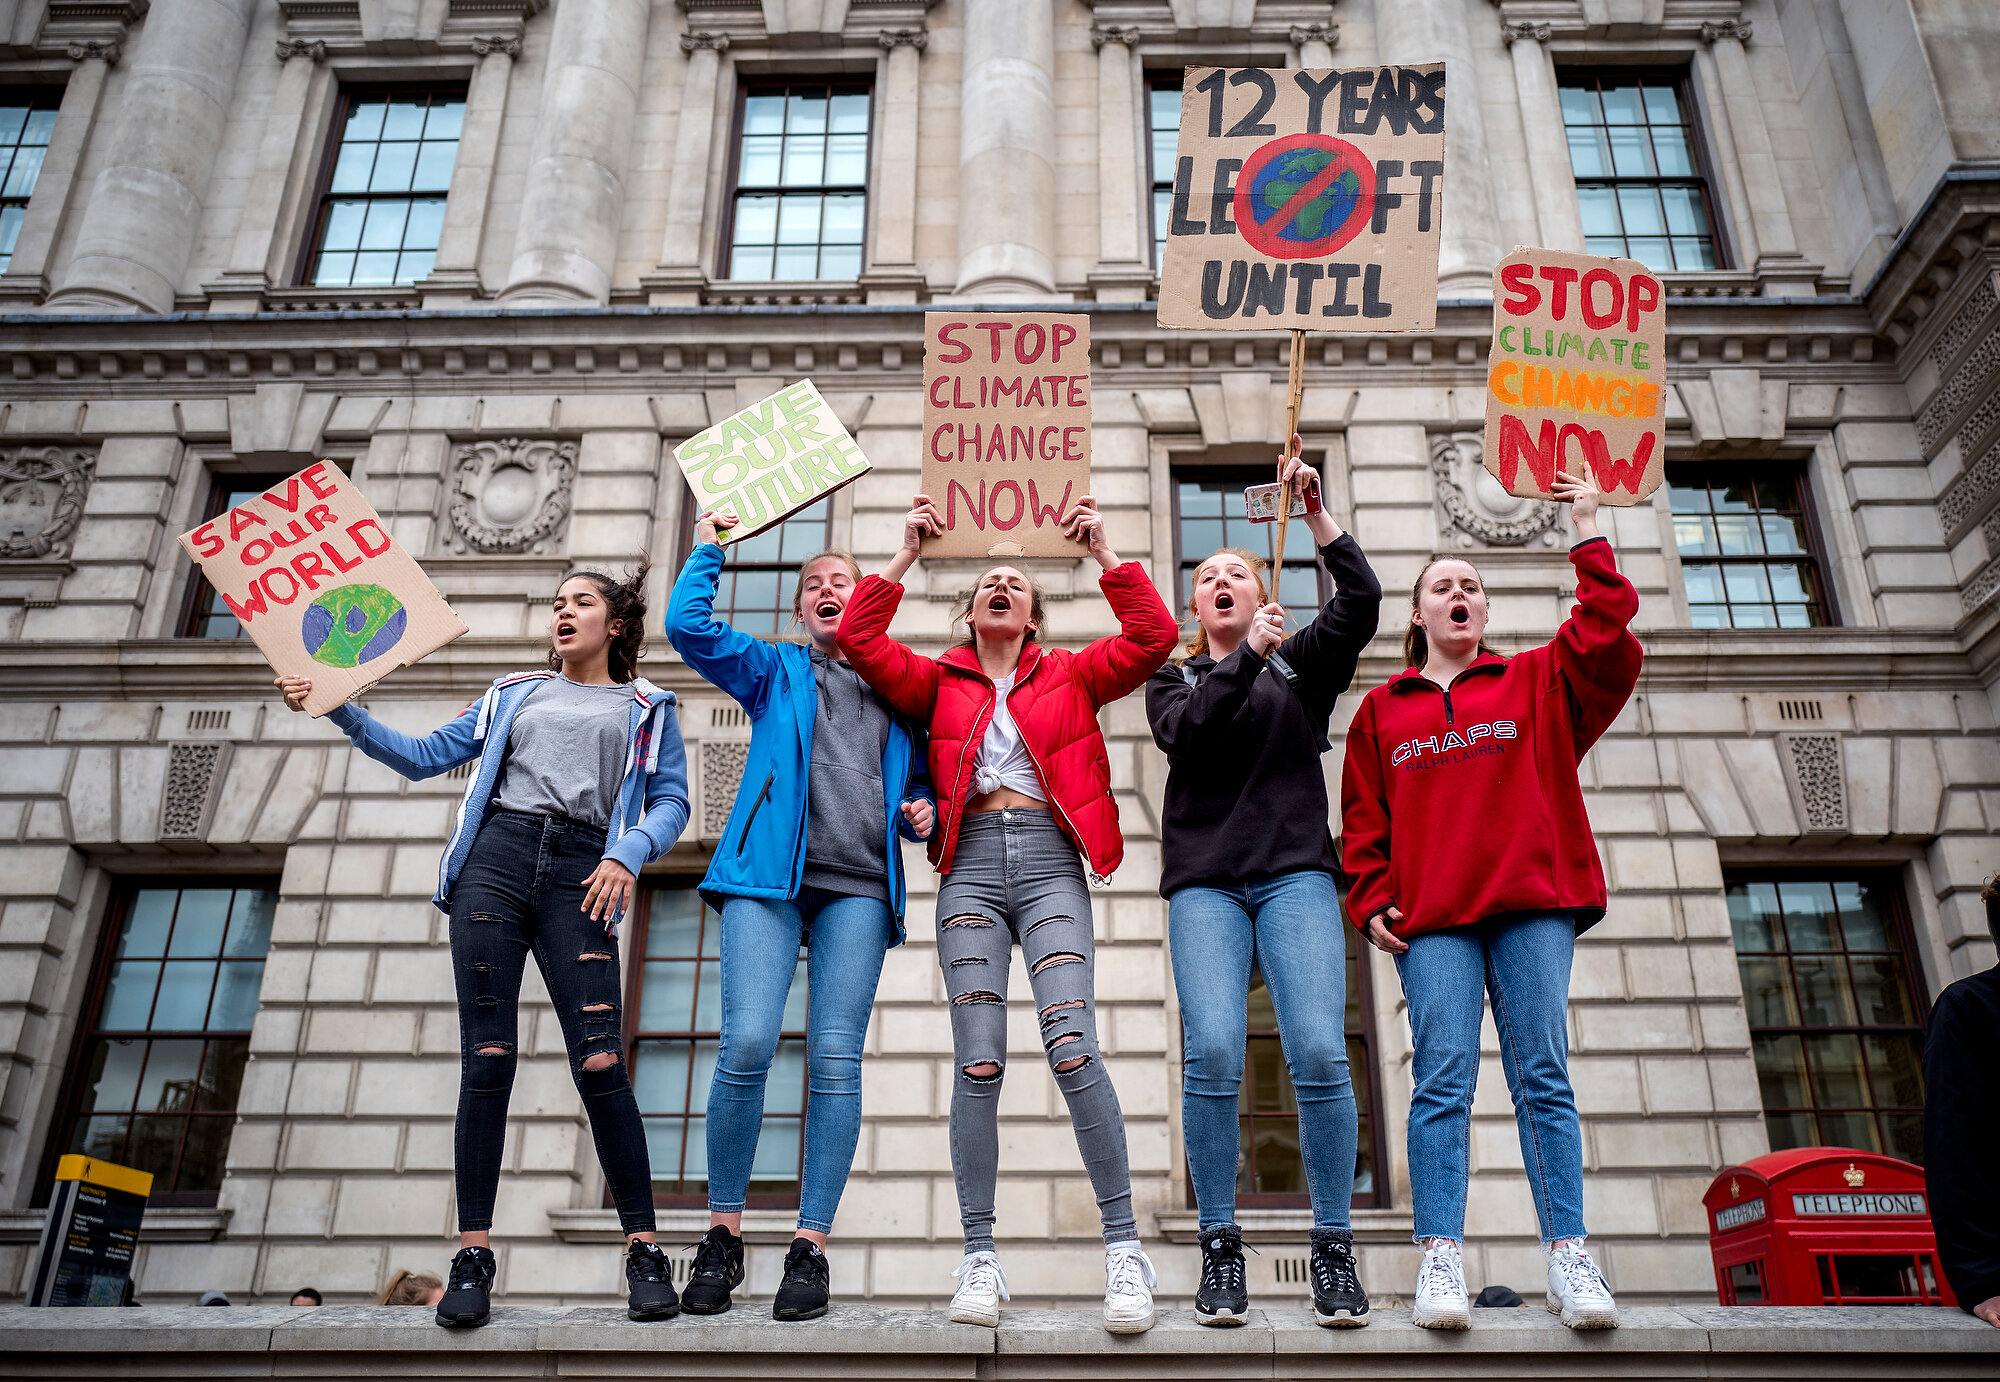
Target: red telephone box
x=1824, y=1226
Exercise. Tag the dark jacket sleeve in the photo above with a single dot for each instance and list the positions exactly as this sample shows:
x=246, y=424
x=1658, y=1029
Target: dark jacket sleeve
x=1324, y=653
x=1192, y=719
x=1961, y=1167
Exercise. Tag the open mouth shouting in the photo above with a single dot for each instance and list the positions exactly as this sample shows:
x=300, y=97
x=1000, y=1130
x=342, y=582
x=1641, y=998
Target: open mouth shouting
x=1460, y=615
x=565, y=629
x=1000, y=603
x=827, y=609
x=1224, y=601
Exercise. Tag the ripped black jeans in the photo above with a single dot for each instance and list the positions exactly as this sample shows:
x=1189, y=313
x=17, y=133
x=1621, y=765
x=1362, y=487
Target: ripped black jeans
x=1016, y=877
x=522, y=889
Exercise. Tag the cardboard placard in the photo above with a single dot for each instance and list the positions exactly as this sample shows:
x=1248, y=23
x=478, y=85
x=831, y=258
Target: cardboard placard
x=1006, y=430
x=1306, y=199
x=321, y=587
x=1578, y=374
x=770, y=460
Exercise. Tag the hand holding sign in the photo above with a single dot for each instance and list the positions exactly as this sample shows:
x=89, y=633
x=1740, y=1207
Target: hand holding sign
x=770, y=460
x=1583, y=496
x=1086, y=525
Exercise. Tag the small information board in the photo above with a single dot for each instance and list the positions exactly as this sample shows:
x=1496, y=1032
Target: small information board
x=91, y=1233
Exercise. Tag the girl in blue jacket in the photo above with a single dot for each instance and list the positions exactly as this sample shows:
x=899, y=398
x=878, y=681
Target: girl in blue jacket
x=809, y=856
x=581, y=781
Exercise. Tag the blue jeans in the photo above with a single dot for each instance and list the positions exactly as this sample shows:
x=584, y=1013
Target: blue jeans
x=1523, y=963
x=1290, y=927
x=846, y=938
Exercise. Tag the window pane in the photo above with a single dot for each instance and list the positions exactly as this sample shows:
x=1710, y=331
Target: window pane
x=756, y=220
x=21, y=177
x=221, y=1075
x=708, y=997
x=1781, y=1071
x=383, y=228
x=364, y=121
x=1589, y=152
x=1895, y=1069
x=200, y=922
x=333, y=270
x=426, y=223
x=1694, y=255
x=666, y=996
x=1663, y=105
x=350, y=168
x=1275, y=1154
x=1685, y=214
x=1621, y=105
x=1580, y=106
x=847, y=158
x=128, y=996
x=794, y=1019
x=1600, y=211
x=446, y=120
x=785, y=1089
x=842, y=220
x=1672, y=152
x=1631, y=152
x=805, y=113
x=112, y=1079
x=1767, y=992
x=660, y=1076
x=1882, y=992
x=763, y=115
x=235, y=1004
x=753, y=265
x=1825, y=998
x=761, y=157
x=395, y=164
x=375, y=268
x=1809, y=915
x=168, y=1083
x=146, y=924
x=663, y=1151
x=433, y=172
x=13, y=119
x=850, y=114
x=184, y=992
x=405, y=119
x=777, y=1156
x=1862, y=921
x=798, y=221
x=1746, y=584
x=1640, y=208
x=204, y=1156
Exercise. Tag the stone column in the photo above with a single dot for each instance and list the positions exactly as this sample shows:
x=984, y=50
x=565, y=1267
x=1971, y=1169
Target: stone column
x=1412, y=32
x=1765, y=205
x=25, y=281
x=454, y=274
x=1315, y=43
x=567, y=240
x=891, y=272
x=256, y=259
x=142, y=213
x=1554, y=182
x=1124, y=272
x=681, y=276
x=1006, y=152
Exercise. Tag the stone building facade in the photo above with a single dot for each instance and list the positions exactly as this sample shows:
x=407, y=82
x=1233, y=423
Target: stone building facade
x=583, y=288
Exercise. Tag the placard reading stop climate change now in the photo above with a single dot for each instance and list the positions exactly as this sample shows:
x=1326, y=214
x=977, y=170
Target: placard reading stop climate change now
x=321, y=587
x=1306, y=199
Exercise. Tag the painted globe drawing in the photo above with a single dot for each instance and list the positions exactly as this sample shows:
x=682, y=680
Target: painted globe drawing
x=1276, y=189
x=353, y=624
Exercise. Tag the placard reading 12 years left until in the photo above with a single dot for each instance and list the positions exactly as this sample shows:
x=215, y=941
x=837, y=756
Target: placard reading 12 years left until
x=1306, y=199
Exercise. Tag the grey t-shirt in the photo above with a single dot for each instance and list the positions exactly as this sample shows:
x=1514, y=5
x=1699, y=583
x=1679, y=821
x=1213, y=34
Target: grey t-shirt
x=847, y=835
x=566, y=751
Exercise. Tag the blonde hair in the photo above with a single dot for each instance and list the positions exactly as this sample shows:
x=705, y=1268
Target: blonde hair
x=409, y=1288
x=839, y=554
x=1198, y=644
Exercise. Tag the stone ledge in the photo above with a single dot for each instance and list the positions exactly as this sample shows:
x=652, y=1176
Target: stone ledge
x=865, y=1341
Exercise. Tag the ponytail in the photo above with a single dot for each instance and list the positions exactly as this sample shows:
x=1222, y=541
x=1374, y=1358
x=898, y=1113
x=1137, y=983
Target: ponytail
x=624, y=602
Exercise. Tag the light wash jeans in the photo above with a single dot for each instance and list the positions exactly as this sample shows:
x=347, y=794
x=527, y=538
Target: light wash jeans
x=1290, y=927
x=1523, y=963
x=846, y=938
x=1017, y=877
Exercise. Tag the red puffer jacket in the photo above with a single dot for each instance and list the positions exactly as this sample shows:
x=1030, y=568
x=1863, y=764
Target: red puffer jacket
x=1054, y=703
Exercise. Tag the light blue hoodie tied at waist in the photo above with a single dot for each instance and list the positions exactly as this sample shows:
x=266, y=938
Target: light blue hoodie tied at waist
x=652, y=801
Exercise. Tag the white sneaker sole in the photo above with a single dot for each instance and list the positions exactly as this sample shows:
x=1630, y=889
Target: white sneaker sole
x=1222, y=1318
x=1444, y=1319
x=972, y=1314
x=1135, y=1325
x=1577, y=1319
x=1340, y=1319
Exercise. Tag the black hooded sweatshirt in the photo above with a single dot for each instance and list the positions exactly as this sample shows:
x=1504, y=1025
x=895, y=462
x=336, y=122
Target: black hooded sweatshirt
x=1962, y=1132
x=1246, y=797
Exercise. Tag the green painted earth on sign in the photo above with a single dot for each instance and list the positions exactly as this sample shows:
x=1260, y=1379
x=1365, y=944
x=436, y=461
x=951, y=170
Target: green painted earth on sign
x=1279, y=182
x=353, y=624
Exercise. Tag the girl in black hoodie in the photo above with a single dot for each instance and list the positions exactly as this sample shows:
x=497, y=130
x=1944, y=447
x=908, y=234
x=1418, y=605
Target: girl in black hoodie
x=1249, y=876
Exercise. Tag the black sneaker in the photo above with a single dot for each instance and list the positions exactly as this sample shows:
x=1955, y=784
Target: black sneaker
x=1224, y=1297
x=1338, y=1299
x=718, y=1270
x=465, y=1304
x=802, y=1294
x=651, y=1278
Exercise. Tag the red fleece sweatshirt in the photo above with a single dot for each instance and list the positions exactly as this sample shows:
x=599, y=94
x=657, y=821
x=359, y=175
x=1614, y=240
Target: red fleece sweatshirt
x=1462, y=804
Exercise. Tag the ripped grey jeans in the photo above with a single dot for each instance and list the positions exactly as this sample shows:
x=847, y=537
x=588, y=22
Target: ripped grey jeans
x=1017, y=877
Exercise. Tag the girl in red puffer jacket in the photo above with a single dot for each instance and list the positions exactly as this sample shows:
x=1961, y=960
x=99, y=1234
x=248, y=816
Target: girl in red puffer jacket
x=1023, y=784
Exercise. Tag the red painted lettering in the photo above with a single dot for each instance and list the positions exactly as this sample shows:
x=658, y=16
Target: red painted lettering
x=1519, y=280
x=1515, y=443
x=1644, y=297
x=993, y=504
x=340, y=563
x=318, y=481
x=253, y=603
x=975, y=508
x=311, y=569
x=207, y=542
x=964, y=350
x=1559, y=279
x=270, y=580
x=1586, y=301
x=354, y=531
x=1059, y=336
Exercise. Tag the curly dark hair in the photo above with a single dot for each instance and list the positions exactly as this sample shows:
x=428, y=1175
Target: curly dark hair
x=624, y=601
x=1989, y=895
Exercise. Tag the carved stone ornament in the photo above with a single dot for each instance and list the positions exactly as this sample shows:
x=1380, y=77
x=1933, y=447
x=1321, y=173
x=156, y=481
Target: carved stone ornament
x=511, y=495
x=41, y=499
x=187, y=796
x=1478, y=508
x=289, y=48
x=1715, y=30
x=1302, y=34
x=104, y=50
x=487, y=44
x=718, y=43
x=1124, y=37
x=891, y=39
x=1817, y=774
x=1524, y=31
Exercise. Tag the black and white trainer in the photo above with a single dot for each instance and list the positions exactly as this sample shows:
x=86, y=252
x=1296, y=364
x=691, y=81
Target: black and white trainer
x=467, y=1294
x=803, y=1292
x=717, y=1270
x=1338, y=1300
x=651, y=1278
x=1224, y=1295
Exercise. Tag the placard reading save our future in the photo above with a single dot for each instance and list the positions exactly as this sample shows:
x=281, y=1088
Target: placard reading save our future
x=770, y=460
x=321, y=587
x=1306, y=199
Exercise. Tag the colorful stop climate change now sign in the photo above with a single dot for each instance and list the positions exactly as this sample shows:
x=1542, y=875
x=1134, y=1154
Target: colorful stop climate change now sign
x=319, y=585
x=1006, y=430
x=1578, y=374
x=1306, y=199
x=770, y=460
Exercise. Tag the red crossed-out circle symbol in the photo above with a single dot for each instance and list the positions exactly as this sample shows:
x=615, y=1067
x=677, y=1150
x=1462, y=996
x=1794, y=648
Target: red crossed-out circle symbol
x=1291, y=213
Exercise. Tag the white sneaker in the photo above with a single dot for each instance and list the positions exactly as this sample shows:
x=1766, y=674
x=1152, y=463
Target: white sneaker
x=981, y=1288
x=1440, y=1300
x=1129, y=1280
x=1577, y=1291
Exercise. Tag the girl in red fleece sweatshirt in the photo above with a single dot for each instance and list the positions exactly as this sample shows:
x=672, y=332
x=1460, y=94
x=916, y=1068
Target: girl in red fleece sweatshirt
x=1471, y=861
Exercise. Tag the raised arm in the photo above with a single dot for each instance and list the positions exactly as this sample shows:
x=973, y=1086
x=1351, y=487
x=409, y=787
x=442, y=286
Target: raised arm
x=729, y=659
x=1119, y=665
x=907, y=680
x=1326, y=651
x=416, y=758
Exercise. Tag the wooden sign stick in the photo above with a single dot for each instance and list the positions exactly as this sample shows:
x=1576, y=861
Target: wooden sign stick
x=1298, y=384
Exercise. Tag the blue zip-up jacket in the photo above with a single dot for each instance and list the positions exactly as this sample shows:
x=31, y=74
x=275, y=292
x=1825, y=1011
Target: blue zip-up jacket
x=763, y=848
x=652, y=805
